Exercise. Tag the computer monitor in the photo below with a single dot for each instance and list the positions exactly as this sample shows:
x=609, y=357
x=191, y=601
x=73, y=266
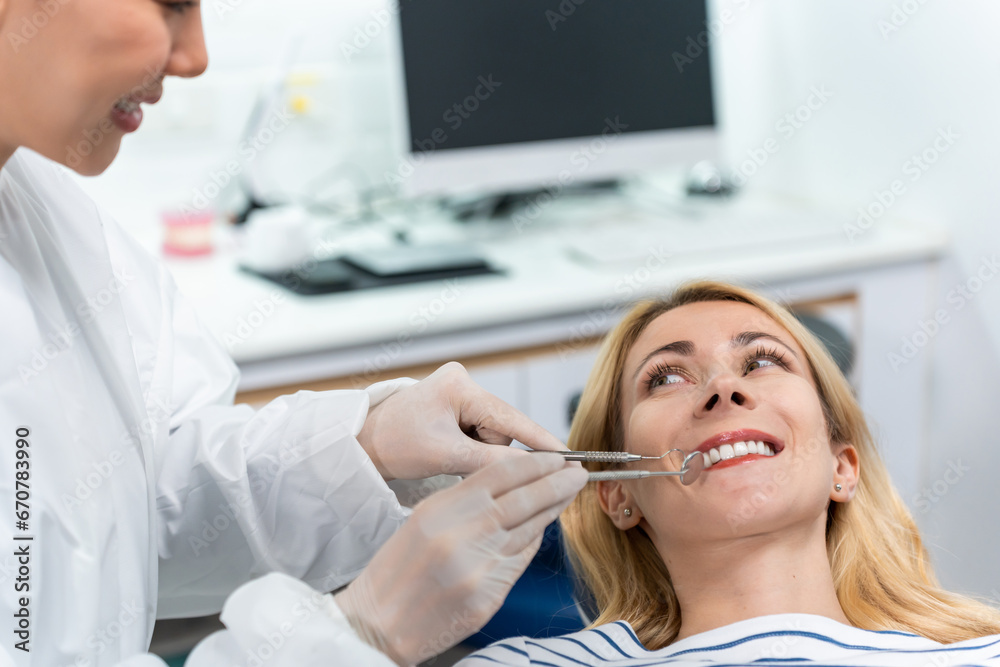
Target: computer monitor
x=508, y=95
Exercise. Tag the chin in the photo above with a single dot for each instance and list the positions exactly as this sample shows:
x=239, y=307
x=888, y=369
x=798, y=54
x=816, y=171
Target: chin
x=91, y=169
x=746, y=519
x=94, y=164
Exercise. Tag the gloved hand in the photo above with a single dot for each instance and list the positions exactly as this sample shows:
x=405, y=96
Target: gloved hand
x=445, y=424
x=450, y=567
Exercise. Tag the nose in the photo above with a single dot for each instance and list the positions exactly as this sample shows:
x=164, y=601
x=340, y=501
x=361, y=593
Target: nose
x=189, y=56
x=723, y=393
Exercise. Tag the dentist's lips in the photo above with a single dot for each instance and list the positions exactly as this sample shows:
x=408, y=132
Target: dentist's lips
x=730, y=438
x=127, y=114
x=127, y=118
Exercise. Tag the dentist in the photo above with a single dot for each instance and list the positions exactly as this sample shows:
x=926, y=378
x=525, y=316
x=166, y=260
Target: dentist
x=133, y=489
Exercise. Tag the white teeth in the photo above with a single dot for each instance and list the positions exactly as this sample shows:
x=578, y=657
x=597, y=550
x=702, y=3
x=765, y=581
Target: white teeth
x=731, y=451
x=126, y=105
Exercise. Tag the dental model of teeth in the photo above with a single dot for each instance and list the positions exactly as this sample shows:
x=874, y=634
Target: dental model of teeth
x=735, y=450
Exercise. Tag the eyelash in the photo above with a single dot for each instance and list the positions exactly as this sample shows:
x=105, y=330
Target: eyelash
x=660, y=370
x=181, y=7
x=771, y=354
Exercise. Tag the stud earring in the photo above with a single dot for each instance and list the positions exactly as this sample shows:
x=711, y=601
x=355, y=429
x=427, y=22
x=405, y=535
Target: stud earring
x=628, y=511
x=837, y=487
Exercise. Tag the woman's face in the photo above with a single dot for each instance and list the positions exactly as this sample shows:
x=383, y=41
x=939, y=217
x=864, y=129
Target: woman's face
x=74, y=71
x=708, y=376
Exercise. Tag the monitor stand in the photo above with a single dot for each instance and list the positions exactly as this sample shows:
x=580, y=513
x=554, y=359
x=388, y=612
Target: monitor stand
x=501, y=206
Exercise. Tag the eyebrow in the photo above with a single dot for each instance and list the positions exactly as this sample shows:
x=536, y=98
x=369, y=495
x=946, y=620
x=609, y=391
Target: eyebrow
x=686, y=348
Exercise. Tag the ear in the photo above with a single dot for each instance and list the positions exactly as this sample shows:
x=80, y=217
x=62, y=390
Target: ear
x=846, y=470
x=615, y=499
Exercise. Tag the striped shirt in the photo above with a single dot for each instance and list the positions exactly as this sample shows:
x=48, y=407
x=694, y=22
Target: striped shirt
x=782, y=639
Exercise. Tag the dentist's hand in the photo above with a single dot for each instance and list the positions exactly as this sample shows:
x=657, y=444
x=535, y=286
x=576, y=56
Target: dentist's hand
x=446, y=424
x=450, y=567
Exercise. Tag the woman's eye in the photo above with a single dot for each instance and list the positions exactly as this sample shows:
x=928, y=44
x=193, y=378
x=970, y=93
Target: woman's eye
x=671, y=378
x=759, y=363
x=762, y=358
x=661, y=376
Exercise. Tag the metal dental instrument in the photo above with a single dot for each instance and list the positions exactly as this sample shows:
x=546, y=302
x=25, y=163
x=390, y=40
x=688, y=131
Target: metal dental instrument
x=690, y=469
x=607, y=457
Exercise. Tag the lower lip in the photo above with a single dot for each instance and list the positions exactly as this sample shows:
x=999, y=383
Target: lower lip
x=126, y=121
x=735, y=461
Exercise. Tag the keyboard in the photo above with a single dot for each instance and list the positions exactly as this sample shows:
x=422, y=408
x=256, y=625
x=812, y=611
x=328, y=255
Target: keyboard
x=631, y=241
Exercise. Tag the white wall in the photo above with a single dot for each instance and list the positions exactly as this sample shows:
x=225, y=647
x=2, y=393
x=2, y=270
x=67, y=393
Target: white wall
x=891, y=92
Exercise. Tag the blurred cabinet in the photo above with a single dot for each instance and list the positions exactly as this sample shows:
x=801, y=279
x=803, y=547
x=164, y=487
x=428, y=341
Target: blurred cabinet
x=503, y=380
x=552, y=382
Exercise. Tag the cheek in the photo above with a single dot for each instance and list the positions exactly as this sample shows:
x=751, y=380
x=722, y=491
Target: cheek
x=134, y=50
x=663, y=505
x=653, y=427
x=124, y=47
x=809, y=463
x=795, y=400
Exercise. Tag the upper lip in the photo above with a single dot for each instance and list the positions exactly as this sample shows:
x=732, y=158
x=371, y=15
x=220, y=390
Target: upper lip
x=149, y=98
x=741, y=435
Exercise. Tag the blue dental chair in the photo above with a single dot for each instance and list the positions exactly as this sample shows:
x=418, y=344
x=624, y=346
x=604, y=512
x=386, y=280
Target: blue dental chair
x=542, y=603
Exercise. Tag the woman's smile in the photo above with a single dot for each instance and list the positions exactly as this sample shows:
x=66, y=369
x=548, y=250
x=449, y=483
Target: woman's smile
x=733, y=448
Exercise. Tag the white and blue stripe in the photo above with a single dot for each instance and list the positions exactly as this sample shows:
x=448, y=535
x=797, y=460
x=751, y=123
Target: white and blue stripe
x=780, y=640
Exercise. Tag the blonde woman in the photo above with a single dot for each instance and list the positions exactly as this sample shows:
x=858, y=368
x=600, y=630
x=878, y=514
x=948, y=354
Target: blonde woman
x=791, y=546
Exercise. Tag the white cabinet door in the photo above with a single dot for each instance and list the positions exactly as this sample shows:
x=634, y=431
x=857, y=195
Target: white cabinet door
x=501, y=380
x=551, y=382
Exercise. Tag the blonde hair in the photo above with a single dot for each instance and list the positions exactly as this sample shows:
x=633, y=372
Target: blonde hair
x=881, y=570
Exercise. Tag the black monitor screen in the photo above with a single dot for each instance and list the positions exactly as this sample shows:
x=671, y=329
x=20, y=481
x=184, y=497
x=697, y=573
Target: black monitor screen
x=493, y=72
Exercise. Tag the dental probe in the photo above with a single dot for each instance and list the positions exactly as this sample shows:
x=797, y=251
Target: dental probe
x=602, y=457
x=693, y=464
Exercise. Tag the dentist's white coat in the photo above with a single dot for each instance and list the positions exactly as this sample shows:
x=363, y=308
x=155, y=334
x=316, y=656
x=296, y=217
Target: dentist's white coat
x=151, y=495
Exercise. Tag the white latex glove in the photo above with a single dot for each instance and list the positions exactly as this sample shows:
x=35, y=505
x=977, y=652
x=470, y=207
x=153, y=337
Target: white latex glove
x=450, y=567
x=445, y=424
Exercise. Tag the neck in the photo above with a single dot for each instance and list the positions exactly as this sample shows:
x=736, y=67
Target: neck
x=723, y=582
x=5, y=154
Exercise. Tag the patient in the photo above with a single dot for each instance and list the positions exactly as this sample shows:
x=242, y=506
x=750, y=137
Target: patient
x=792, y=546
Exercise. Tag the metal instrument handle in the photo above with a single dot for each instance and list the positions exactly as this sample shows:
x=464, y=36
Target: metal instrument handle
x=593, y=456
x=602, y=457
x=611, y=475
